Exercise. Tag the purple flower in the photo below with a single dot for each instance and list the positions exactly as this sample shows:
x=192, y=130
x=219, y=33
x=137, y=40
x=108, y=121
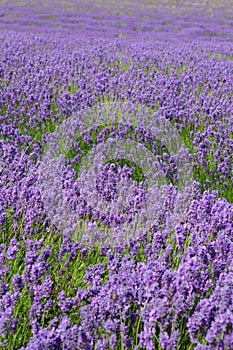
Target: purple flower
x=13, y=249
x=169, y=342
x=17, y=282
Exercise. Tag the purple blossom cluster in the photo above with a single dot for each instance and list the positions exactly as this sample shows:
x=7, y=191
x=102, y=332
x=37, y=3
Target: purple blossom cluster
x=116, y=173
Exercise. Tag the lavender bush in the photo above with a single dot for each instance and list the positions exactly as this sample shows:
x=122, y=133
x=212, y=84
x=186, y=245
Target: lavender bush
x=116, y=143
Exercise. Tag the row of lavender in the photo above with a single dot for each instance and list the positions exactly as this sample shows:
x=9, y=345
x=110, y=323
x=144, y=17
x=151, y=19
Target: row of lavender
x=169, y=288
x=155, y=20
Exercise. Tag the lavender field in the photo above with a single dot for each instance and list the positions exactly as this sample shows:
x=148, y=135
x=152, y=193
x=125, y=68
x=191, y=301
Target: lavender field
x=116, y=175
